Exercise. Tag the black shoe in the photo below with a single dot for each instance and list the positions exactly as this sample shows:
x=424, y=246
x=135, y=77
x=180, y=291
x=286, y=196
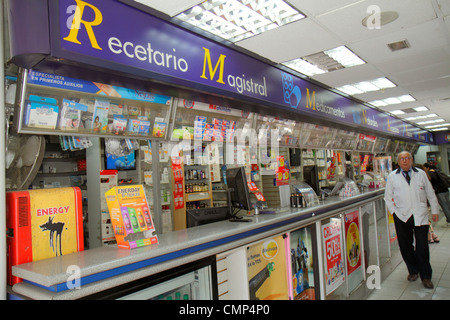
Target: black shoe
x=427, y=283
x=413, y=277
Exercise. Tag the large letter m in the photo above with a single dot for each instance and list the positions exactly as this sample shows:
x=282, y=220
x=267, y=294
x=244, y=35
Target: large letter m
x=212, y=73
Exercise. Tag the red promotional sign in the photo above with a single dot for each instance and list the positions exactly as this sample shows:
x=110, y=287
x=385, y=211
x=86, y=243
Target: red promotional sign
x=353, y=241
x=334, y=262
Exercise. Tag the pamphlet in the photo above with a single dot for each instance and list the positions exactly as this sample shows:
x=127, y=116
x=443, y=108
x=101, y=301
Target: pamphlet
x=71, y=115
x=159, y=128
x=100, y=118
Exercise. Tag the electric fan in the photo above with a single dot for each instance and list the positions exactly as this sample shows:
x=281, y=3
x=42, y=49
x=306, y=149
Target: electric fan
x=24, y=154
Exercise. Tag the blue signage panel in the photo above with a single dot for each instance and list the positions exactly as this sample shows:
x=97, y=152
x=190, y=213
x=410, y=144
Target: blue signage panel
x=129, y=39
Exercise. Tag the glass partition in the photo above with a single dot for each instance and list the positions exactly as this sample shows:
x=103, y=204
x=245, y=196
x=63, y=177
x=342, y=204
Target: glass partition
x=382, y=232
x=57, y=105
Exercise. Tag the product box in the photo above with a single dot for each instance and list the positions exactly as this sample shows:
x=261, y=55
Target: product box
x=41, y=112
x=130, y=216
x=71, y=115
x=159, y=128
x=42, y=224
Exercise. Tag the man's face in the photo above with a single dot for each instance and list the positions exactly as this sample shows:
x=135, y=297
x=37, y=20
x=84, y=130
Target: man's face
x=405, y=161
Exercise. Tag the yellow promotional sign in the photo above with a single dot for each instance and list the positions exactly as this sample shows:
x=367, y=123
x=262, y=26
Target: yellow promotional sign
x=54, y=226
x=266, y=263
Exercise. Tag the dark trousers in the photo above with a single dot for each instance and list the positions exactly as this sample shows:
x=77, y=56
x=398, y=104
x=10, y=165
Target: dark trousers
x=416, y=257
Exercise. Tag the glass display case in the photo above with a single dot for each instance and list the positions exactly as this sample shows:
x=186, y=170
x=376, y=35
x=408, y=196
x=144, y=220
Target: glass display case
x=285, y=131
x=365, y=143
x=198, y=121
x=52, y=104
x=380, y=145
x=316, y=137
x=193, y=281
x=344, y=140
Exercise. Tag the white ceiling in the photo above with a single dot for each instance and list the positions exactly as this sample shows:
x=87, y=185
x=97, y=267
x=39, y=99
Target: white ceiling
x=423, y=70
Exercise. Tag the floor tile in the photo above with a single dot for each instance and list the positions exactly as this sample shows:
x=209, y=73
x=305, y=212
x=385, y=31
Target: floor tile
x=397, y=287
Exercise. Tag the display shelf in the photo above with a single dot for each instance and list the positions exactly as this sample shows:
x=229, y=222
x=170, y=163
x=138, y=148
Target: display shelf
x=198, y=187
x=285, y=131
x=206, y=123
x=60, y=174
x=76, y=107
x=60, y=168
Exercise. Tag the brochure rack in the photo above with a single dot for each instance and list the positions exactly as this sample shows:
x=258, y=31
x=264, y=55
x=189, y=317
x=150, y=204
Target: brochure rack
x=57, y=105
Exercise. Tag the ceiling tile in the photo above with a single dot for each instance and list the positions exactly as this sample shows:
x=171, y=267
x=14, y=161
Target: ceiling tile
x=421, y=38
x=172, y=7
x=410, y=14
x=291, y=41
x=349, y=75
x=315, y=8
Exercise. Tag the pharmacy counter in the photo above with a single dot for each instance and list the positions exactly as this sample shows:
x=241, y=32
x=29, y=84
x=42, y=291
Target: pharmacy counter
x=81, y=274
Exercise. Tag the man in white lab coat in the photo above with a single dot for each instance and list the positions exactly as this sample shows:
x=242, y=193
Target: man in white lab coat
x=406, y=194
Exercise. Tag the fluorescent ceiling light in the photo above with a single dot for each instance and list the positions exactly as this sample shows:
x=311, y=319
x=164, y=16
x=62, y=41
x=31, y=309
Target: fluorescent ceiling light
x=397, y=112
x=406, y=98
x=367, y=86
x=431, y=115
x=325, y=61
x=439, y=129
x=235, y=20
x=422, y=108
x=344, y=56
x=431, y=121
x=437, y=125
x=392, y=100
x=304, y=67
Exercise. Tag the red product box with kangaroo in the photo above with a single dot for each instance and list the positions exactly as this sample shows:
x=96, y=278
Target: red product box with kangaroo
x=42, y=224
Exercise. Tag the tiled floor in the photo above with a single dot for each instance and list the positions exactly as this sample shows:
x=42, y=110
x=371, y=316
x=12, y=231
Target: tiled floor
x=397, y=287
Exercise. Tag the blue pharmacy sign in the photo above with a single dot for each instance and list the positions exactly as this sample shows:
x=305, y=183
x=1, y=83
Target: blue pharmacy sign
x=93, y=32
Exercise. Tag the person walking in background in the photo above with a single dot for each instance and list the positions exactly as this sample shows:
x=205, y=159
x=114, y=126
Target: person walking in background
x=432, y=237
x=441, y=190
x=406, y=194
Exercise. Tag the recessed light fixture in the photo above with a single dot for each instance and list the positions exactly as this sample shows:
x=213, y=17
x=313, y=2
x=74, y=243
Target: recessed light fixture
x=393, y=100
x=431, y=121
x=422, y=108
x=325, y=61
x=367, y=86
x=235, y=20
x=439, y=129
x=304, y=67
x=431, y=115
x=397, y=112
x=437, y=125
x=399, y=45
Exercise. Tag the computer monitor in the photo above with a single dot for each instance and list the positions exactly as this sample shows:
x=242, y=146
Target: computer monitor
x=239, y=196
x=294, y=157
x=311, y=177
x=198, y=217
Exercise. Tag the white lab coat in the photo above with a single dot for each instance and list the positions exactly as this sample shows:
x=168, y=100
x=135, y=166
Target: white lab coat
x=405, y=200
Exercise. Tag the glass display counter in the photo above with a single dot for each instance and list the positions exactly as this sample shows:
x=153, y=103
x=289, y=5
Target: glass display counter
x=51, y=104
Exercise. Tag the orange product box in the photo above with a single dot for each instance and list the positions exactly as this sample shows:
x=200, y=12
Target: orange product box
x=130, y=216
x=42, y=224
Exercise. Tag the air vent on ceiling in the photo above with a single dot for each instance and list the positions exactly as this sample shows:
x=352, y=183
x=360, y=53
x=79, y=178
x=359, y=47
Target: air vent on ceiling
x=395, y=46
x=409, y=110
